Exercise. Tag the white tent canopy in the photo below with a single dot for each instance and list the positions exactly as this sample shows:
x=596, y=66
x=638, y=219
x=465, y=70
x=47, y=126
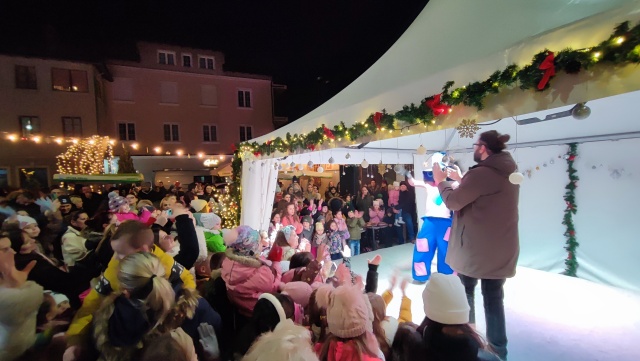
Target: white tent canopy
x=466, y=41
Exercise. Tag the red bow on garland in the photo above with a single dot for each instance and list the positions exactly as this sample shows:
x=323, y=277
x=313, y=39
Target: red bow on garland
x=436, y=107
x=328, y=133
x=233, y=148
x=311, y=147
x=549, y=70
x=377, y=117
x=268, y=142
x=257, y=154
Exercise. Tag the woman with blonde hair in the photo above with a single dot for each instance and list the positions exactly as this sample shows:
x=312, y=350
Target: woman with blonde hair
x=127, y=319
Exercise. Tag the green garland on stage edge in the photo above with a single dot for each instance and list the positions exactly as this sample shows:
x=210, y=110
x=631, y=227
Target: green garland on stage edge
x=622, y=47
x=571, y=263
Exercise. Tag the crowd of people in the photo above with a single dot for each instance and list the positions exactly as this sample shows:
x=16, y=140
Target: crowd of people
x=149, y=273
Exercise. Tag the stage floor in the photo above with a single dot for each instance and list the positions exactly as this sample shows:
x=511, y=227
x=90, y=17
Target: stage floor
x=550, y=317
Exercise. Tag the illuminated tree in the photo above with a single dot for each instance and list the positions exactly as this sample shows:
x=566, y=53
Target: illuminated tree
x=85, y=156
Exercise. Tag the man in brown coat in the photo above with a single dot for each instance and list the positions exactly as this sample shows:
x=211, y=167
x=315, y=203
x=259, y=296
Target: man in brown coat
x=484, y=238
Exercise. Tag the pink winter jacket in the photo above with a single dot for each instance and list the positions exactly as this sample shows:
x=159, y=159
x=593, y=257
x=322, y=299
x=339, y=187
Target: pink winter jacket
x=292, y=221
x=247, y=278
x=394, y=197
x=376, y=216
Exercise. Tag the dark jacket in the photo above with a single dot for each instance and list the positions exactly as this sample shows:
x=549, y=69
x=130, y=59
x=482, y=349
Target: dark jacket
x=50, y=277
x=91, y=205
x=484, y=235
x=189, y=249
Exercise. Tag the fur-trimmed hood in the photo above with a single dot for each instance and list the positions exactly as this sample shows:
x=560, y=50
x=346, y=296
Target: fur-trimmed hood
x=244, y=260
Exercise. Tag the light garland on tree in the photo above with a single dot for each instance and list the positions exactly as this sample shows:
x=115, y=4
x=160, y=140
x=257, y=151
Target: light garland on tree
x=228, y=208
x=85, y=156
x=571, y=245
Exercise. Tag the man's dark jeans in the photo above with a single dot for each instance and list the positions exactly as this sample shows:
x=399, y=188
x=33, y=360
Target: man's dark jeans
x=493, y=295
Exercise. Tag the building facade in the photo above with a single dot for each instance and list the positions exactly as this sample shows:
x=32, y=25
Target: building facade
x=43, y=102
x=171, y=106
x=178, y=103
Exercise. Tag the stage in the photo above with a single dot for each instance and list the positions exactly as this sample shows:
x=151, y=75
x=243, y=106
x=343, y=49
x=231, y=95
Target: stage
x=550, y=317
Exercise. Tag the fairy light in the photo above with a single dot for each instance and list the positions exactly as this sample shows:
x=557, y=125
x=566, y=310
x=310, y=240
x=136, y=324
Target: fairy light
x=200, y=155
x=85, y=156
x=158, y=150
x=37, y=139
x=179, y=152
x=12, y=137
x=135, y=146
x=59, y=140
x=620, y=40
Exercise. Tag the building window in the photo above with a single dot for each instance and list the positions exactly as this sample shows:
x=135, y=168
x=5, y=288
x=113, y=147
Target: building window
x=171, y=133
x=209, y=95
x=207, y=62
x=69, y=80
x=29, y=125
x=166, y=57
x=122, y=89
x=127, y=131
x=72, y=126
x=246, y=132
x=186, y=60
x=244, y=98
x=210, y=133
x=26, y=77
x=168, y=92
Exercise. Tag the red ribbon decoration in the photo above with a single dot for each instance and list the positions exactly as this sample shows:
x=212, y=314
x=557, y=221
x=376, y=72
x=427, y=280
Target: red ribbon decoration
x=268, y=142
x=233, y=148
x=436, y=107
x=377, y=117
x=311, y=147
x=328, y=133
x=549, y=70
x=257, y=154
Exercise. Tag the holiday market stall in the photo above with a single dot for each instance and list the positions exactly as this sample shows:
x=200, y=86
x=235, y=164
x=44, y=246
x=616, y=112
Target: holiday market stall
x=561, y=77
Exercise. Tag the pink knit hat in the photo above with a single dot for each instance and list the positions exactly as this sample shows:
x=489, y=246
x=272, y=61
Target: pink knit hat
x=299, y=291
x=349, y=313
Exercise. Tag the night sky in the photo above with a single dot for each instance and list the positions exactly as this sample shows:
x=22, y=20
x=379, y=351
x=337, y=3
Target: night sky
x=316, y=48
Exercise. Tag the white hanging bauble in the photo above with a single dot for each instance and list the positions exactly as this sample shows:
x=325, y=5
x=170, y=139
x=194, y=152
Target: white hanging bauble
x=398, y=168
x=516, y=178
x=300, y=166
x=320, y=169
x=364, y=163
x=331, y=160
x=347, y=156
x=421, y=150
x=292, y=165
x=310, y=164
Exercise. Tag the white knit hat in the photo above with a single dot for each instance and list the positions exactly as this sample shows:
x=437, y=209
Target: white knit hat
x=396, y=184
x=445, y=300
x=24, y=221
x=209, y=220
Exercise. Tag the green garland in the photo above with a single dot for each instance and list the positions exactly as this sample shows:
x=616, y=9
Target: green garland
x=622, y=47
x=571, y=263
x=235, y=189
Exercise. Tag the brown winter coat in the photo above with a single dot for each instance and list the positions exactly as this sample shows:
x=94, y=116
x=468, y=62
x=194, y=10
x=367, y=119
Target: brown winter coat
x=484, y=236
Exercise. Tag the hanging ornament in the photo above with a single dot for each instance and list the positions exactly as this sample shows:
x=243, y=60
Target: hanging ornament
x=320, y=169
x=552, y=161
x=398, y=168
x=300, y=166
x=275, y=167
x=421, y=150
x=467, y=128
x=292, y=164
x=347, y=156
x=280, y=167
x=310, y=164
x=516, y=178
x=364, y=163
x=331, y=160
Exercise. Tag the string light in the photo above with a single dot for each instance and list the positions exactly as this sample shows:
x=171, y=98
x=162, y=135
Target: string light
x=85, y=156
x=158, y=150
x=135, y=146
x=179, y=152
